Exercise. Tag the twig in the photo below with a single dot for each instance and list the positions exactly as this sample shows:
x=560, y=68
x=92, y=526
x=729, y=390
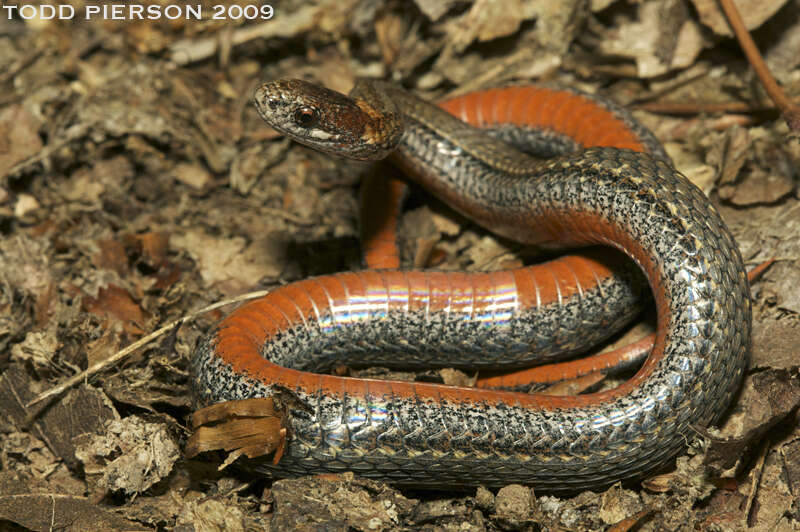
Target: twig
x=699, y=71
x=118, y=356
x=790, y=111
x=44, y=153
x=12, y=98
x=756, y=480
x=21, y=64
x=289, y=217
x=632, y=521
x=691, y=108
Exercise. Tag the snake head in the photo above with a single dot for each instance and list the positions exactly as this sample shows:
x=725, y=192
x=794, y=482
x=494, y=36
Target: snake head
x=327, y=120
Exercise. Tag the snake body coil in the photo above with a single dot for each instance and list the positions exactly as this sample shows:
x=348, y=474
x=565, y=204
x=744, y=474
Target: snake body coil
x=425, y=434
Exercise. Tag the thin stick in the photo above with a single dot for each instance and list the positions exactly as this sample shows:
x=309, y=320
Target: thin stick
x=692, y=108
x=791, y=112
x=120, y=355
x=21, y=64
x=758, y=471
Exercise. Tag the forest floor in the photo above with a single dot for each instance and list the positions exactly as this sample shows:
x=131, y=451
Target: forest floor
x=139, y=185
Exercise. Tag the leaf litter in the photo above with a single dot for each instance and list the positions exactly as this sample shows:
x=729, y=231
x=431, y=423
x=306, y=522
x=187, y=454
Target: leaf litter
x=139, y=184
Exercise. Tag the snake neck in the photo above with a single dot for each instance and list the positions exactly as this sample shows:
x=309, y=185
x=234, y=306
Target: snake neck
x=454, y=141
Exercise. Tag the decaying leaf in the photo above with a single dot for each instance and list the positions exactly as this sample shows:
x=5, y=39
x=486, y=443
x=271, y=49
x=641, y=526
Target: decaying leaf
x=115, y=303
x=754, y=13
x=130, y=456
x=18, y=140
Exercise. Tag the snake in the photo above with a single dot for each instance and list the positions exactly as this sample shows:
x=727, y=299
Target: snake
x=552, y=167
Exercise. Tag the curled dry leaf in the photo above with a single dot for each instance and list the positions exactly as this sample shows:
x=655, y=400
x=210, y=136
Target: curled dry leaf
x=730, y=155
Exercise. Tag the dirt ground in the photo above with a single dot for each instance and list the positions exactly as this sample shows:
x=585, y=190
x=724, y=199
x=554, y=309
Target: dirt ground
x=139, y=185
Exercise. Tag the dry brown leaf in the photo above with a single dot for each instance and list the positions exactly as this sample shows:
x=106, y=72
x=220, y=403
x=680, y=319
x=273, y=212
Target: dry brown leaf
x=131, y=455
x=192, y=175
x=435, y=9
x=455, y=377
x=759, y=187
x=214, y=514
x=85, y=187
x=663, y=38
x=767, y=398
x=791, y=462
x=486, y=20
x=103, y=347
x=730, y=155
x=25, y=263
x=38, y=348
x=250, y=164
x=219, y=259
x=787, y=280
x=167, y=276
x=112, y=256
x=753, y=12
x=773, y=496
x=155, y=245
x=341, y=502
x=618, y=504
x=762, y=166
x=490, y=254
x=781, y=55
x=775, y=344
x=81, y=411
x=19, y=139
x=115, y=303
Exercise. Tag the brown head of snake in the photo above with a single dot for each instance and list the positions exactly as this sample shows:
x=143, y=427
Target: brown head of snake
x=329, y=121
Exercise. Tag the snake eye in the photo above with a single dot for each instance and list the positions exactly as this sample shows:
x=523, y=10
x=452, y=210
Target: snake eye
x=305, y=117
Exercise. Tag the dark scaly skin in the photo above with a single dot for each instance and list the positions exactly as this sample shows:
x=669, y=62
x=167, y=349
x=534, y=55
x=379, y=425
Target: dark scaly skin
x=432, y=436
